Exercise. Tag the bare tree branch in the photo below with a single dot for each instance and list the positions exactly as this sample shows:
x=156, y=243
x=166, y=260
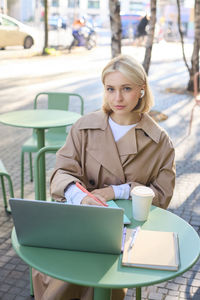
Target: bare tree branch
x=181, y=35
x=150, y=36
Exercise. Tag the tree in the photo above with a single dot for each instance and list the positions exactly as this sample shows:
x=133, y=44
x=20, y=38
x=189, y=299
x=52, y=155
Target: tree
x=196, y=45
x=45, y=26
x=115, y=24
x=150, y=37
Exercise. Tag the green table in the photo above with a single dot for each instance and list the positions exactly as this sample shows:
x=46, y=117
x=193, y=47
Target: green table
x=104, y=271
x=40, y=119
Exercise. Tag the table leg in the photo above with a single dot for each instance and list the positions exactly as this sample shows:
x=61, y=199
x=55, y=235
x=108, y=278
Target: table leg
x=40, y=181
x=101, y=293
x=138, y=293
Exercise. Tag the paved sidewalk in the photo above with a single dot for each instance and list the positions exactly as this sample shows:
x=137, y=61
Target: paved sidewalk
x=14, y=273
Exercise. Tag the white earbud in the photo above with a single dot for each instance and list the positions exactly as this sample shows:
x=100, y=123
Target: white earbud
x=142, y=92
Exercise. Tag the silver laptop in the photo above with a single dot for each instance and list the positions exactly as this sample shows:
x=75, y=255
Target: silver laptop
x=65, y=226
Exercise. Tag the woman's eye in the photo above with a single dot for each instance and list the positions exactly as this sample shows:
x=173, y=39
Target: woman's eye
x=127, y=88
x=110, y=89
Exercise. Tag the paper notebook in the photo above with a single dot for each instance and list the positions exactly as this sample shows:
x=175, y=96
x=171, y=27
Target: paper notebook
x=151, y=249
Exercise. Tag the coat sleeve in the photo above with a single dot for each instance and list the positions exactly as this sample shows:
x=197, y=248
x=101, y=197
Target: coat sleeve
x=163, y=184
x=68, y=165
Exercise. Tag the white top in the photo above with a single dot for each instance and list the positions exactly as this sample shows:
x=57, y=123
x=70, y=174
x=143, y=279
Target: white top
x=119, y=130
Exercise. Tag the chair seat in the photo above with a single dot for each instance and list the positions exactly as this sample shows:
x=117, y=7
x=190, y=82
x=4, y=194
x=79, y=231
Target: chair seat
x=51, y=139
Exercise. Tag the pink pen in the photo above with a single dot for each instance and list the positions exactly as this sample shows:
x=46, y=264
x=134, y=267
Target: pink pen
x=89, y=194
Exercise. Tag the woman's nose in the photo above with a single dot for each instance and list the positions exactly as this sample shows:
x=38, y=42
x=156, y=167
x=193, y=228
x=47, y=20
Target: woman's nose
x=118, y=96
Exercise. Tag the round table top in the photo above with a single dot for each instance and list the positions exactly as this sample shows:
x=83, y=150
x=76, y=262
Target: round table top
x=39, y=118
x=105, y=270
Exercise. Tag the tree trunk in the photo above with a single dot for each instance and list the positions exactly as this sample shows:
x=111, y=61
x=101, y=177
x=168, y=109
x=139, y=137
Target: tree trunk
x=196, y=46
x=150, y=36
x=181, y=34
x=45, y=26
x=115, y=25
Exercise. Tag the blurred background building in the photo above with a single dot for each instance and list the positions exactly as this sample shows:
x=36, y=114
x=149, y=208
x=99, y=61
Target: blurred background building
x=97, y=12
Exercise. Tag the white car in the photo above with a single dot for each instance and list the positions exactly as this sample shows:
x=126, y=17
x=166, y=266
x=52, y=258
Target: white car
x=15, y=33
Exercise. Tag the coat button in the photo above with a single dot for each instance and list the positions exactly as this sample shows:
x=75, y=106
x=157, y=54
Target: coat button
x=92, y=182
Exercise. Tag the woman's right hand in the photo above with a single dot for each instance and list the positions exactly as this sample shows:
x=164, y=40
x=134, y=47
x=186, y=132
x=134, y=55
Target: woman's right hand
x=90, y=201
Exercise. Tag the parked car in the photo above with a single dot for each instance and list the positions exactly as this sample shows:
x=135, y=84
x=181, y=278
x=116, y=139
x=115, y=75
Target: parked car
x=15, y=33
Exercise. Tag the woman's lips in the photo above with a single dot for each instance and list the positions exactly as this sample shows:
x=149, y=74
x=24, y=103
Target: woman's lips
x=119, y=107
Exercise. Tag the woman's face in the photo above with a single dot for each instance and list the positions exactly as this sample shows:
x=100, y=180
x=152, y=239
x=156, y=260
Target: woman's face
x=121, y=94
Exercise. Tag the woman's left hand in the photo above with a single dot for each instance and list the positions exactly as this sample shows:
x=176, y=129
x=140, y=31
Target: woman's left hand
x=107, y=193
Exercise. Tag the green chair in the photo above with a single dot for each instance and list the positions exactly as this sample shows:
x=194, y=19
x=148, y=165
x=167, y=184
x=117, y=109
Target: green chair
x=4, y=173
x=40, y=153
x=53, y=136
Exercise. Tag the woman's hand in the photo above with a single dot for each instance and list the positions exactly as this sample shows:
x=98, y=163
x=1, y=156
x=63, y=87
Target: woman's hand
x=90, y=201
x=107, y=193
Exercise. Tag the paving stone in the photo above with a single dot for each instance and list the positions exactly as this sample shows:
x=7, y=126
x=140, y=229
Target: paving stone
x=171, y=298
x=4, y=287
x=173, y=293
x=172, y=286
x=155, y=296
x=162, y=291
x=180, y=280
x=128, y=297
x=188, y=274
x=195, y=282
x=8, y=297
x=15, y=290
x=197, y=275
x=186, y=295
x=129, y=292
x=196, y=290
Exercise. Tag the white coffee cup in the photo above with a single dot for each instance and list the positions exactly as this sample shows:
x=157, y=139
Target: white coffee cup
x=142, y=197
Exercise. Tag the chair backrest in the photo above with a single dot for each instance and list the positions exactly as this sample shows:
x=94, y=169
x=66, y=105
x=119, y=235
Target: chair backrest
x=57, y=100
x=60, y=101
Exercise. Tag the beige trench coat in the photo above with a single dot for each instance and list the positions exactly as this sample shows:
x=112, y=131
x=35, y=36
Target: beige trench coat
x=144, y=156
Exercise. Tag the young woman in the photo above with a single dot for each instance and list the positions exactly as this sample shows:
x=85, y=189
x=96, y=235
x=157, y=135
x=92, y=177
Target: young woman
x=109, y=152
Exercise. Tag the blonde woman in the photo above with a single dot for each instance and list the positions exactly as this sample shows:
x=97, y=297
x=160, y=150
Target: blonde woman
x=110, y=152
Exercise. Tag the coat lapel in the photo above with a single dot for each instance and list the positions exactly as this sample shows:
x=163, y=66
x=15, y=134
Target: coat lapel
x=102, y=135
x=109, y=157
x=127, y=144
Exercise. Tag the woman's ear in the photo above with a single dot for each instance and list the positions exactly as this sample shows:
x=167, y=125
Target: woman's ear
x=142, y=93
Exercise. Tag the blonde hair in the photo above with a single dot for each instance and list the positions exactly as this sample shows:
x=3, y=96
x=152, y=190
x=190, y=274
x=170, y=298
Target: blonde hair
x=134, y=72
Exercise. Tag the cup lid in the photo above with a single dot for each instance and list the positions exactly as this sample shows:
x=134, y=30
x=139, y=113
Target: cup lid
x=142, y=191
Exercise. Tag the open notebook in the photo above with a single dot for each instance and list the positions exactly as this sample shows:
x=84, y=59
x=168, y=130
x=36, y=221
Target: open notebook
x=151, y=249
